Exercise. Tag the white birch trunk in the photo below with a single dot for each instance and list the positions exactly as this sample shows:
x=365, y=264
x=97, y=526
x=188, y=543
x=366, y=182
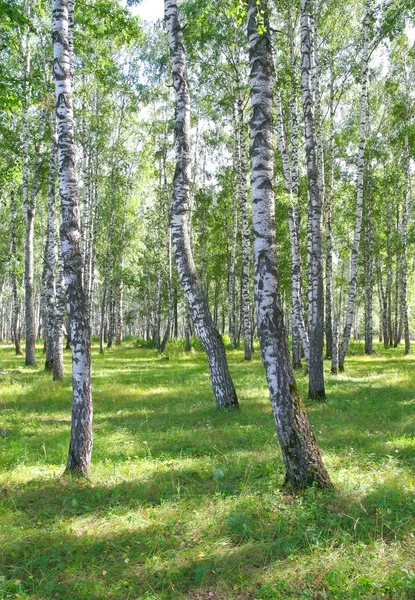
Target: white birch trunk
x=300, y=453
x=246, y=238
x=80, y=449
x=50, y=259
x=293, y=226
x=316, y=293
x=404, y=258
x=209, y=336
x=232, y=260
x=58, y=367
x=351, y=301
x=15, y=329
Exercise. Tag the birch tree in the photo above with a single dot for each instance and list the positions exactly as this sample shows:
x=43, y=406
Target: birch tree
x=316, y=388
x=209, y=336
x=50, y=260
x=80, y=448
x=300, y=452
x=351, y=301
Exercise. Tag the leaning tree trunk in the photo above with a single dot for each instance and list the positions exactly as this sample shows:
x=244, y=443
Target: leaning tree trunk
x=80, y=449
x=300, y=452
x=351, y=301
x=209, y=336
x=15, y=302
x=316, y=317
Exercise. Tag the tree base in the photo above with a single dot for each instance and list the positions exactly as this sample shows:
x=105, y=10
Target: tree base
x=319, y=396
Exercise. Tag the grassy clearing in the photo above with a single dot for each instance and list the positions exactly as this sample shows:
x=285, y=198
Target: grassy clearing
x=184, y=501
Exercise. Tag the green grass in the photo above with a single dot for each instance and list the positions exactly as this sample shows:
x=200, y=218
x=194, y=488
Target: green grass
x=184, y=501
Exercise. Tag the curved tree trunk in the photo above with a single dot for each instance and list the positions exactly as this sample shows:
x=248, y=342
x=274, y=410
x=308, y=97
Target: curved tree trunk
x=300, y=452
x=80, y=449
x=351, y=301
x=209, y=336
x=316, y=389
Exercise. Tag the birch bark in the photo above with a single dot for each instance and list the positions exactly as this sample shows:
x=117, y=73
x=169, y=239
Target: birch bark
x=232, y=260
x=291, y=187
x=58, y=368
x=328, y=209
x=300, y=452
x=368, y=268
x=15, y=303
x=80, y=448
x=404, y=259
x=50, y=257
x=209, y=336
x=351, y=301
x=316, y=311
x=29, y=212
x=246, y=237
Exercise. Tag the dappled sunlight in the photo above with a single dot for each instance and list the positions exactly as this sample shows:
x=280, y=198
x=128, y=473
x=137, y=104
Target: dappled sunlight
x=182, y=495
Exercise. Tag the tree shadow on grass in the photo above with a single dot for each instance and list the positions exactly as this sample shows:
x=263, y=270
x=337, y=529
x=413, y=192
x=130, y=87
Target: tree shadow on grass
x=66, y=558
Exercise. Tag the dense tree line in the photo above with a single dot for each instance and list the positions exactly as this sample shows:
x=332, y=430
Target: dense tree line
x=241, y=170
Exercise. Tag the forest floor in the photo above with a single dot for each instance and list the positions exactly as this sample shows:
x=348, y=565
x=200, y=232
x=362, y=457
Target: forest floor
x=184, y=501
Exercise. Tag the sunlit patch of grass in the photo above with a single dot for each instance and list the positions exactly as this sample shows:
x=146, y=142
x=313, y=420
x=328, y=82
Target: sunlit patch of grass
x=184, y=501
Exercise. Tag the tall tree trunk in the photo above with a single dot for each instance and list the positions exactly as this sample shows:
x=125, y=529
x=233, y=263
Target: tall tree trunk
x=171, y=307
x=351, y=301
x=29, y=212
x=368, y=267
x=300, y=452
x=383, y=304
x=246, y=237
x=15, y=309
x=404, y=259
x=80, y=448
x=50, y=259
x=58, y=368
x=232, y=258
x=328, y=209
x=335, y=347
x=119, y=307
x=209, y=336
x=103, y=317
x=316, y=389
x=388, y=291
x=291, y=187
